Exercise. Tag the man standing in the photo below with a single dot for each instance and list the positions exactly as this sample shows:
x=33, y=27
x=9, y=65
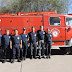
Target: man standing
x=0, y=36
x=25, y=39
x=16, y=44
x=32, y=38
x=48, y=43
x=41, y=36
x=6, y=44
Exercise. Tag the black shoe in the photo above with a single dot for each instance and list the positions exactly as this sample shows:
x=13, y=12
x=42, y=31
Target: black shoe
x=35, y=57
x=47, y=57
x=4, y=61
x=25, y=58
x=43, y=57
x=22, y=58
x=39, y=57
x=31, y=57
x=19, y=60
x=12, y=61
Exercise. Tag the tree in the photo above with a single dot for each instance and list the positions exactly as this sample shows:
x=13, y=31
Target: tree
x=61, y=6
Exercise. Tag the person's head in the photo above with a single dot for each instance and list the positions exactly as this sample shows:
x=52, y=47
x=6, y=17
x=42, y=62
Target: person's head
x=7, y=31
x=33, y=29
x=16, y=32
x=48, y=31
x=24, y=30
x=41, y=27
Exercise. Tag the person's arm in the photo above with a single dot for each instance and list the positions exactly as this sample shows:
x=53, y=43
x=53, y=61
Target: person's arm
x=20, y=43
x=10, y=44
x=28, y=37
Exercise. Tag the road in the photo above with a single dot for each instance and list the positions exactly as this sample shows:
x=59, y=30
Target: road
x=57, y=63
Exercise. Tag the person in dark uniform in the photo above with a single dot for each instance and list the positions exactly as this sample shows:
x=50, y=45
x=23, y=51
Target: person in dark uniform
x=16, y=44
x=48, y=39
x=0, y=36
x=25, y=39
x=32, y=38
x=41, y=37
x=6, y=45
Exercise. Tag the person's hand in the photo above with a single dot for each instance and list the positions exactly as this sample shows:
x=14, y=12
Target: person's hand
x=29, y=44
x=37, y=43
x=10, y=47
x=20, y=46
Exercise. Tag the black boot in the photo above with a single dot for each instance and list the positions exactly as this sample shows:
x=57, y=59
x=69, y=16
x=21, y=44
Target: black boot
x=43, y=56
x=4, y=61
x=39, y=57
x=31, y=57
x=35, y=57
x=47, y=57
x=24, y=57
x=19, y=60
x=12, y=60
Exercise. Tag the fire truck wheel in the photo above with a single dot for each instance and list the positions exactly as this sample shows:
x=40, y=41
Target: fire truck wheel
x=66, y=50
x=63, y=49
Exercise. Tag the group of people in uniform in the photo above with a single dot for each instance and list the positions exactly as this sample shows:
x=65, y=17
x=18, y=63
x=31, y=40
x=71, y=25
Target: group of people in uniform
x=19, y=44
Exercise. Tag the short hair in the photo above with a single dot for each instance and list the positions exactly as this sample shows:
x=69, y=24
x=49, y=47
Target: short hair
x=41, y=26
x=24, y=29
x=7, y=30
x=32, y=27
x=15, y=30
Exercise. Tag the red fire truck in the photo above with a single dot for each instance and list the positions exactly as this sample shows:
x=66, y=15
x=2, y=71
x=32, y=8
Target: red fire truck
x=59, y=24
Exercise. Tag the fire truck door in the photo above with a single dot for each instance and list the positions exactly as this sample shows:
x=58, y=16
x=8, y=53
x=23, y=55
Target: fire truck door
x=68, y=21
x=56, y=25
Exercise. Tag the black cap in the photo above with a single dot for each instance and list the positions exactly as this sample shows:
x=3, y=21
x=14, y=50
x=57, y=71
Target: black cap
x=24, y=29
x=15, y=30
x=33, y=27
x=41, y=26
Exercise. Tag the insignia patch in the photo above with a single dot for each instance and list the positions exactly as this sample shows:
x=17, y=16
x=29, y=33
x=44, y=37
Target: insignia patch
x=9, y=36
x=43, y=32
x=50, y=35
x=35, y=35
x=18, y=38
x=26, y=35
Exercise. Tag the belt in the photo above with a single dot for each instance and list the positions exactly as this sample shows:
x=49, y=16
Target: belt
x=24, y=41
x=16, y=44
x=41, y=39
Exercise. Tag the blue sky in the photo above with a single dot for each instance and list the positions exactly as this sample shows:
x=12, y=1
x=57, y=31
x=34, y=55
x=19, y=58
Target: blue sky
x=0, y=2
x=70, y=9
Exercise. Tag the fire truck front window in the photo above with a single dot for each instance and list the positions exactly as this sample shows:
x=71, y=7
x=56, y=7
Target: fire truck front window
x=54, y=21
x=69, y=21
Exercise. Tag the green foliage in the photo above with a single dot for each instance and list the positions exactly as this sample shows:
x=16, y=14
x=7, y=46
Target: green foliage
x=61, y=6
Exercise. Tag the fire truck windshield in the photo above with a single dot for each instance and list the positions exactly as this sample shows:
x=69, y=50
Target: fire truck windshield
x=69, y=21
x=54, y=21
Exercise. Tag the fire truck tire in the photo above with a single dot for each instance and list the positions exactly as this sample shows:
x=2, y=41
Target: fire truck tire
x=63, y=49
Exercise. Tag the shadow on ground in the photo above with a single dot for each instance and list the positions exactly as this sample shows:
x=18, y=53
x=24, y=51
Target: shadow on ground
x=53, y=51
